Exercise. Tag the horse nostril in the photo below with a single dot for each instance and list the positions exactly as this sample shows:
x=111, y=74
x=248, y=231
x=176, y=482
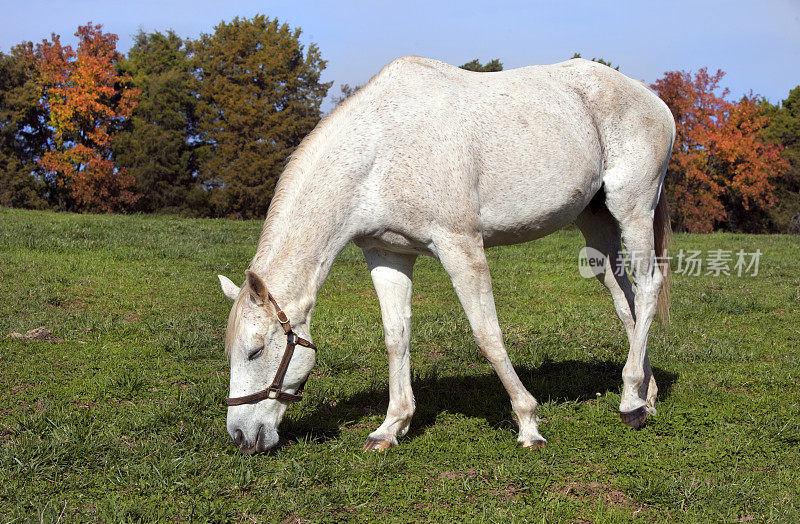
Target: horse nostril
x=260, y=437
x=238, y=437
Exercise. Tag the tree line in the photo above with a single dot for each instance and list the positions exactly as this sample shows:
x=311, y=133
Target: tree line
x=204, y=128
x=197, y=127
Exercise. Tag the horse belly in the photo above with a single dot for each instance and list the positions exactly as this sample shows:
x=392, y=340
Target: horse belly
x=540, y=185
x=524, y=217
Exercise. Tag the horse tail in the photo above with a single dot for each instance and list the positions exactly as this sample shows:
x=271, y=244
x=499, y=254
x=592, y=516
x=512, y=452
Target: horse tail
x=662, y=236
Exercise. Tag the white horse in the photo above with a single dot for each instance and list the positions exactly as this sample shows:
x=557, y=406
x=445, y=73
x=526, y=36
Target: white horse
x=431, y=159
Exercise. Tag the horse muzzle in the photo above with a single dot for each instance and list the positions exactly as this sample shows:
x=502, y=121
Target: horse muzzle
x=262, y=439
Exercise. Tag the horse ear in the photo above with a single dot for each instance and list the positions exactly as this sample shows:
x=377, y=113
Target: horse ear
x=230, y=289
x=257, y=287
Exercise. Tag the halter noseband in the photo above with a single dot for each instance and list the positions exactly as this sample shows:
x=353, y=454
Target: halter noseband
x=274, y=391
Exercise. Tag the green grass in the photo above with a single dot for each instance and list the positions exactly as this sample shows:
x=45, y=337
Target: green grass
x=125, y=420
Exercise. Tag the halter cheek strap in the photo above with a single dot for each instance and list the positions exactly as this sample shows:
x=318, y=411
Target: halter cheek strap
x=274, y=391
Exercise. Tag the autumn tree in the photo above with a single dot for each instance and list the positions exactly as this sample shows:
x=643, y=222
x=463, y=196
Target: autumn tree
x=156, y=144
x=259, y=93
x=721, y=173
x=488, y=67
x=784, y=130
x=87, y=101
x=23, y=130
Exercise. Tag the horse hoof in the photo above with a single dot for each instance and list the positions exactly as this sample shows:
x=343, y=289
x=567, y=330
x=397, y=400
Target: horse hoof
x=377, y=445
x=635, y=418
x=534, y=444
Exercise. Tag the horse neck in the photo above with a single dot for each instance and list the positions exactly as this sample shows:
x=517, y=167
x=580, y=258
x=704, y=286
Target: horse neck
x=308, y=224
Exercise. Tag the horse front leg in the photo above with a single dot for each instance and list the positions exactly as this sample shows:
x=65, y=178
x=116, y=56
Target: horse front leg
x=465, y=262
x=392, y=274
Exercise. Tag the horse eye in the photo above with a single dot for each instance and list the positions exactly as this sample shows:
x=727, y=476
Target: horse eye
x=255, y=353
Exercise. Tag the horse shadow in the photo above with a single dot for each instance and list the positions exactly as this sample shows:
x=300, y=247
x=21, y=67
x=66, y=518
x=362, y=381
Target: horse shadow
x=476, y=395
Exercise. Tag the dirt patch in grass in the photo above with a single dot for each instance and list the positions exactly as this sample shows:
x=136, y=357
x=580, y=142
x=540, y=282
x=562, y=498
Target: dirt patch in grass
x=433, y=354
x=131, y=317
x=40, y=334
x=505, y=494
x=471, y=473
x=594, y=490
x=6, y=435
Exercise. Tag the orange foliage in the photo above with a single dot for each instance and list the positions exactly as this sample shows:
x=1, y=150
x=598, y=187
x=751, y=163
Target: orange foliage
x=718, y=162
x=87, y=102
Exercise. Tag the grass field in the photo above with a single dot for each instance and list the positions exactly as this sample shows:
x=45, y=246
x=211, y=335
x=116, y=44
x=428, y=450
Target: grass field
x=125, y=420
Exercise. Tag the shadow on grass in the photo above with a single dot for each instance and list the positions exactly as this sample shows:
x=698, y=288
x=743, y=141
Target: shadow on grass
x=473, y=396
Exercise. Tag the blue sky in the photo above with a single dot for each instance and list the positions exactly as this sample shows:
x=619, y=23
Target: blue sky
x=757, y=42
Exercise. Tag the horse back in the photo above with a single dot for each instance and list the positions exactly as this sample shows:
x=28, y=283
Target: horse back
x=515, y=154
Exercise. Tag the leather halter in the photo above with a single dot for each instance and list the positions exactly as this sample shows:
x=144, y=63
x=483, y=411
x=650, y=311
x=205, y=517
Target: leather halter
x=274, y=391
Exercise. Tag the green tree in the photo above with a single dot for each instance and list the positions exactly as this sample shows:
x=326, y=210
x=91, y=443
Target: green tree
x=23, y=130
x=784, y=129
x=156, y=146
x=599, y=61
x=345, y=92
x=258, y=94
x=488, y=67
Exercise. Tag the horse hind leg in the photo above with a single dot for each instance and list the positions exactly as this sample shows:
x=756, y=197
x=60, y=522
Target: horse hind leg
x=391, y=275
x=601, y=232
x=633, y=208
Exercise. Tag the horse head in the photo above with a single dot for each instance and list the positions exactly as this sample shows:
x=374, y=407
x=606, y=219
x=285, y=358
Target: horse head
x=270, y=363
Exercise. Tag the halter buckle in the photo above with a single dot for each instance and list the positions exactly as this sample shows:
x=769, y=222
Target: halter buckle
x=270, y=390
x=282, y=318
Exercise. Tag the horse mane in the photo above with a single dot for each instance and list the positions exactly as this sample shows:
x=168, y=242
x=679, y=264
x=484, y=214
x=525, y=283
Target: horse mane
x=299, y=166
